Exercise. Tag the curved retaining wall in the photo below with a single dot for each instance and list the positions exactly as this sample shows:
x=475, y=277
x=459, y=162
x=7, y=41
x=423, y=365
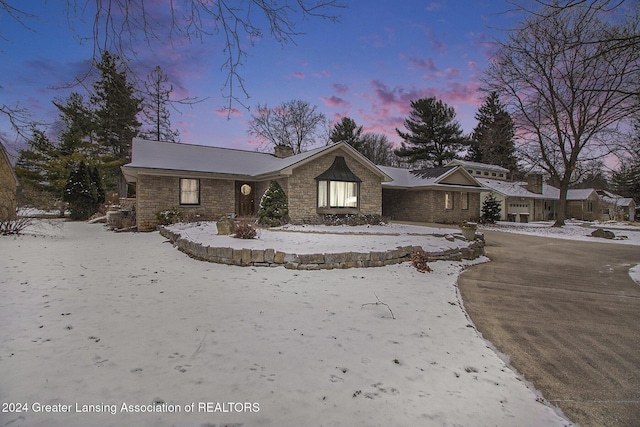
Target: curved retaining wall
x=274, y=258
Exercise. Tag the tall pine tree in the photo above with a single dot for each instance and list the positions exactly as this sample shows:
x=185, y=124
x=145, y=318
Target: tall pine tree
x=348, y=131
x=492, y=139
x=116, y=108
x=434, y=136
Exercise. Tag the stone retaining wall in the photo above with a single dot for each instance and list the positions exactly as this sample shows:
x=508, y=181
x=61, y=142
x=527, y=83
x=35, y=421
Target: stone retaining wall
x=274, y=258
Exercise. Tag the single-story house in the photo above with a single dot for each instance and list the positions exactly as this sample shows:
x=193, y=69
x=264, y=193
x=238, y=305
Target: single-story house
x=616, y=207
x=210, y=182
x=8, y=187
x=440, y=194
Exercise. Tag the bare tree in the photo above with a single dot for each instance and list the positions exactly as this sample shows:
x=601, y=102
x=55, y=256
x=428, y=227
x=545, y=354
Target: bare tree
x=155, y=102
x=377, y=148
x=569, y=84
x=294, y=124
x=119, y=26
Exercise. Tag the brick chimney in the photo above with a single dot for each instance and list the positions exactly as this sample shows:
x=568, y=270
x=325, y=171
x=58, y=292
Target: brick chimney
x=282, y=151
x=534, y=183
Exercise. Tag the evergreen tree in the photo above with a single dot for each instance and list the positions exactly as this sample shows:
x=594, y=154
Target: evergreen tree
x=491, y=211
x=492, y=139
x=155, y=108
x=274, y=208
x=116, y=109
x=346, y=130
x=96, y=181
x=81, y=193
x=79, y=131
x=434, y=135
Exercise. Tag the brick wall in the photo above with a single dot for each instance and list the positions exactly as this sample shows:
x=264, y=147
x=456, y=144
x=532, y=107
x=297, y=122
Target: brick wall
x=301, y=187
x=158, y=193
x=7, y=190
x=428, y=206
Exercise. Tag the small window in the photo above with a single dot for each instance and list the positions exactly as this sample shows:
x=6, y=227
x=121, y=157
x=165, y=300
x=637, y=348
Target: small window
x=589, y=206
x=493, y=174
x=464, y=200
x=501, y=175
x=486, y=174
x=189, y=191
x=448, y=200
x=478, y=173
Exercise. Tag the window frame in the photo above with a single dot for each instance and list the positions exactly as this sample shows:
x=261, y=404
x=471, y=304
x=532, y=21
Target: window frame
x=183, y=192
x=448, y=200
x=464, y=200
x=323, y=188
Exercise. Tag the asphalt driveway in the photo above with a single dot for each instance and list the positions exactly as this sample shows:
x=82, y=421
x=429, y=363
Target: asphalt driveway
x=568, y=316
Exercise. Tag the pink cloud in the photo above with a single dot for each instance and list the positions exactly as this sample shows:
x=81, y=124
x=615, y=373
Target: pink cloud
x=298, y=75
x=340, y=88
x=434, y=6
x=452, y=72
x=323, y=73
x=335, y=102
x=427, y=63
x=226, y=112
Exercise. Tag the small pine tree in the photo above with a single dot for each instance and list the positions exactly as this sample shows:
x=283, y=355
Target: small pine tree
x=491, y=211
x=274, y=208
x=81, y=193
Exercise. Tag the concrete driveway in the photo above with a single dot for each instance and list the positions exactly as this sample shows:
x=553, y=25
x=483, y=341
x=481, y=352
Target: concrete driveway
x=568, y=316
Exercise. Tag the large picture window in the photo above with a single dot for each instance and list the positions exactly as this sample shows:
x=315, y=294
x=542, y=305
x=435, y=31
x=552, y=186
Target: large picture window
x=189, y=191
x=338, y=187
x=337, y=194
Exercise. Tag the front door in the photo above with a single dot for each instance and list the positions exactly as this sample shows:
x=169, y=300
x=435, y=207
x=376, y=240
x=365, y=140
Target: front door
x=245, y=195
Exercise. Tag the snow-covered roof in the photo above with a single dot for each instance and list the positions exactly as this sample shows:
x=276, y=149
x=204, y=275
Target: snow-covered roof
x=434, y=177
x=579, y=193
x=615, y=199
x=170, y=156
x=519, y=189
x=477, y=165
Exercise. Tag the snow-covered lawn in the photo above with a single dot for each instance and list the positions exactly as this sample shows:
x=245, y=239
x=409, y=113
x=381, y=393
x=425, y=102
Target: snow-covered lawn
x=573, y=230
x=309, y=239
x=94, y=320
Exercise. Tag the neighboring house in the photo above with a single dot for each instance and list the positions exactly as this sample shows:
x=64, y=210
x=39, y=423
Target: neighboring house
x=615, y=207
x=8, y=187
x=521, y=201
x=441, y=194
x=211, y=182
x=584, y=204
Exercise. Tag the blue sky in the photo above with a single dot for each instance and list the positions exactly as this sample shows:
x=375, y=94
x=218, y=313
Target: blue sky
x=369, y=66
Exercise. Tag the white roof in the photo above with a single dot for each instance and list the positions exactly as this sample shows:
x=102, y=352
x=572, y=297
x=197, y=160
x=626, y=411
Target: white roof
x=519, y=189
x=468, y=164
x=173, y=156
x=406, y=178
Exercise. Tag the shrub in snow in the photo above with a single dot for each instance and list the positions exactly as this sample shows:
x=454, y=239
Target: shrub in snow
x=274, y=207
x=353, y=219
x=83, y=192
x=244, y=231
x=170, y=216
x=14, y=226
x=419, y=260
x=490, y=210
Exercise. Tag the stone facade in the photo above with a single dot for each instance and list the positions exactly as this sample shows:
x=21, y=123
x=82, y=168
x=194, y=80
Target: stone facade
x=324, y=261
x=158, y=193
x=429, y=206
x=301, y=188
x=8, y=188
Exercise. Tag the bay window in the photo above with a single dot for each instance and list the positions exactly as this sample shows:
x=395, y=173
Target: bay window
x=338, y=187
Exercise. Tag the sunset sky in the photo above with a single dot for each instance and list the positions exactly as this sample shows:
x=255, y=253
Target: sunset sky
x=368, y=66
